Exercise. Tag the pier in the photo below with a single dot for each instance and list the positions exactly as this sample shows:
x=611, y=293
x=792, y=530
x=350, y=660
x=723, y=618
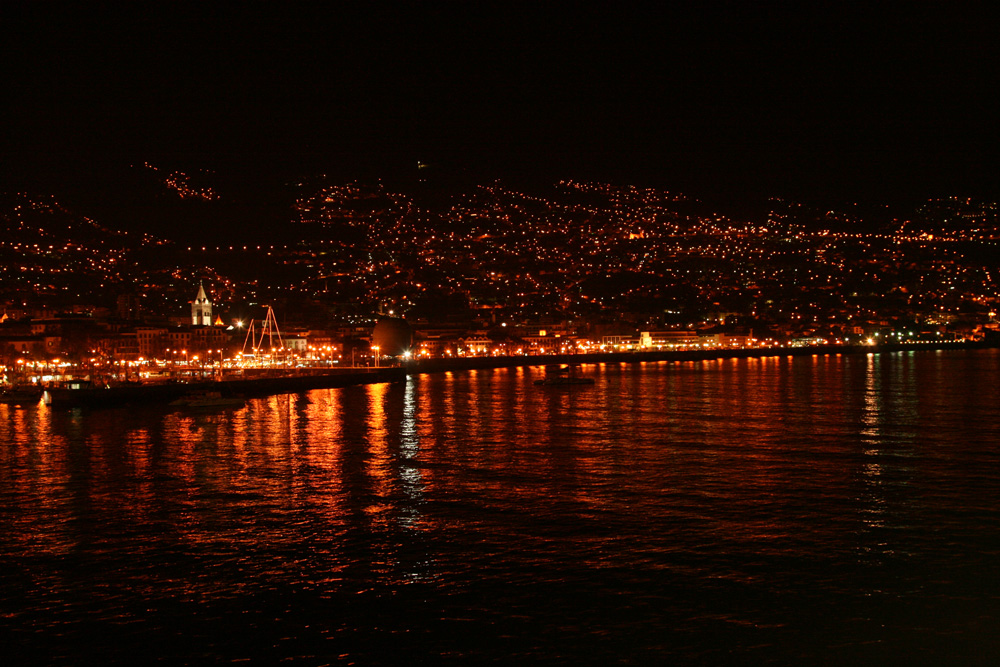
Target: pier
x=84, y=394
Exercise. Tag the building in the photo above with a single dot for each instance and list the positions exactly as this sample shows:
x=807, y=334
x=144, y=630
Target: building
x=201, y=309
x=670, y=339
x=477, y=344
x=119, y=346
x=151, y=340
x=197, y=339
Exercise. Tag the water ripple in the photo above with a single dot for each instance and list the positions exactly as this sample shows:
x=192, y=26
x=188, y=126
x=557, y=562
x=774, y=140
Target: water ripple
x=826, y=510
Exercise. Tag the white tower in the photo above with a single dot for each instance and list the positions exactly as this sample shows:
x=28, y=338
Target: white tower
x=201, y=309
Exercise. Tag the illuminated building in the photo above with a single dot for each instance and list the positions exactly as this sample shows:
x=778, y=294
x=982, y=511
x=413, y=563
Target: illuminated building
x=201, y=309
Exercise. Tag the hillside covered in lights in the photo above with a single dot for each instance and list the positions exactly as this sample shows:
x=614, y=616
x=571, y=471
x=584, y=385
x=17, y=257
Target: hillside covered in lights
x=586, y=256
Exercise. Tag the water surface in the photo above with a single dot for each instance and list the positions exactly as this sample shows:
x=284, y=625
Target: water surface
x=816, y=510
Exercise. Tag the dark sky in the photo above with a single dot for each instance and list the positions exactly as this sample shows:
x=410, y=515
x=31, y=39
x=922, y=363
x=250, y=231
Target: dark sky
x=719, y=98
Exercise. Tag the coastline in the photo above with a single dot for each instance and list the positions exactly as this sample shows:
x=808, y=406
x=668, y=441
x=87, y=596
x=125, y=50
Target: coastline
x=163, y=393
x=439, y=365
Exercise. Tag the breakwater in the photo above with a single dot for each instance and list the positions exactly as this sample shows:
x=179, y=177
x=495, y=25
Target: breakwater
x=441, y=365
x=249, y=386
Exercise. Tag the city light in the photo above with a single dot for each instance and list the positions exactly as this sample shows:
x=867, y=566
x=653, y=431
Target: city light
x=584, y=268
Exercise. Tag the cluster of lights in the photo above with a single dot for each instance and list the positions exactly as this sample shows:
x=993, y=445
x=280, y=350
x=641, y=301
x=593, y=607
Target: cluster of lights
x=524, y=257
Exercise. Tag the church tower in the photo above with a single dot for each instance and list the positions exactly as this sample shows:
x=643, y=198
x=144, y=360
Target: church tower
x=201, y=309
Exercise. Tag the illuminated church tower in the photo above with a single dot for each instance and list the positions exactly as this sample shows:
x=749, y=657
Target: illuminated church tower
x=201, y=309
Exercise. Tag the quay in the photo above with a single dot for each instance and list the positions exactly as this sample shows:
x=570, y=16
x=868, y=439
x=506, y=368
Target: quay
x=78, y=394
x=441, y=365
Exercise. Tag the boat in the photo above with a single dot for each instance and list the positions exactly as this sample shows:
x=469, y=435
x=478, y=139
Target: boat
x=86, y=394
x=559, y=375
x=559, y=380
x=208, y=399
x=21, y=395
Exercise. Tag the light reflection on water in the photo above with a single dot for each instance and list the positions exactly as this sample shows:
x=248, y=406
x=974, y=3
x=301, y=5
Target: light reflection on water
x=830, y=509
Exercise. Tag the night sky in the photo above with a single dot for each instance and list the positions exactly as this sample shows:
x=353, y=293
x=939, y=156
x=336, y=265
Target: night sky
x=719, y=99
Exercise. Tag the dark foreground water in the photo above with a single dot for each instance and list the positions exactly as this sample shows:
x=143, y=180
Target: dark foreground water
x=837, y=510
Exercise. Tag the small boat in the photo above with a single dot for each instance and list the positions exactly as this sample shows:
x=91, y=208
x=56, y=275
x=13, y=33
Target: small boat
x=559, y=380
x=208, y=399
x=560, y=375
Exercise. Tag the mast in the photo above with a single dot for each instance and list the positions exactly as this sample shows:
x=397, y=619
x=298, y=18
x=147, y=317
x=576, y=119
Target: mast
x=249, y=339
x=269, y=330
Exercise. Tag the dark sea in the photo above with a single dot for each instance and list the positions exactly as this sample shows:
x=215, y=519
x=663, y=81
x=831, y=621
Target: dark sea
x=825, y=510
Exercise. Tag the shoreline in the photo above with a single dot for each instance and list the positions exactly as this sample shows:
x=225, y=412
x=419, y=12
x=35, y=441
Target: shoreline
x=266, y=386
x=438, y=365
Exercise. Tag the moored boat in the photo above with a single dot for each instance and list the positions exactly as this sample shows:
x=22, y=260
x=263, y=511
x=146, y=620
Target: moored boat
x=558, y=380
x=208, y=399
x=21, y=395
x=85, y=394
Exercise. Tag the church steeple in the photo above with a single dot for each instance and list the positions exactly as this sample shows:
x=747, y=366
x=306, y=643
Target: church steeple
x=201, y=308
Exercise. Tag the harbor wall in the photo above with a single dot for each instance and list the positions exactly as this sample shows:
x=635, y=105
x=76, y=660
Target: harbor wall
x=250, y=386
x=441, y=365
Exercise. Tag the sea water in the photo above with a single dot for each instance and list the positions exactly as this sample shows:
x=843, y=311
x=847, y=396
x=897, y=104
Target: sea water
x=839, y=509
